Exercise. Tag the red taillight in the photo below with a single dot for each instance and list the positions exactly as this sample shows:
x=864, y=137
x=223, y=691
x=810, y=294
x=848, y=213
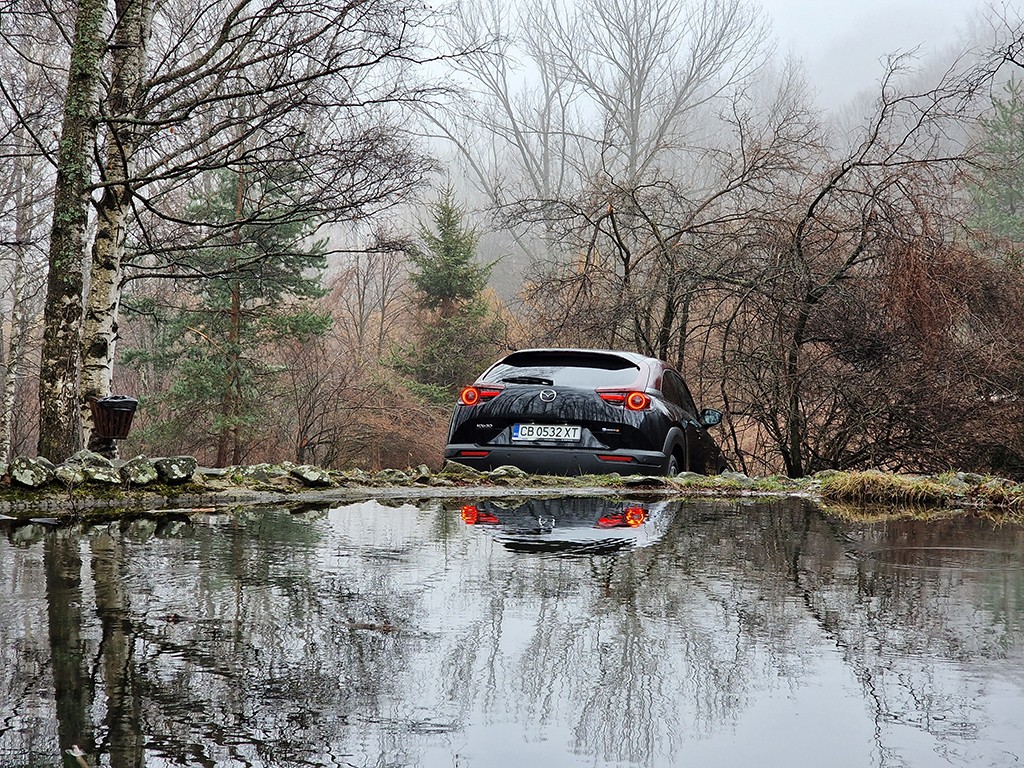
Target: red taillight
x=637, y=401
x=474, y=454
x=475, y=395
x=632, y=517
x=615, y=458
x=473, y=516
x=634, y=401
x=635, y=516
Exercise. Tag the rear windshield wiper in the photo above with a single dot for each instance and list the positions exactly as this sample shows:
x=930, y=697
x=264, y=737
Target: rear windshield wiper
x=528, y=380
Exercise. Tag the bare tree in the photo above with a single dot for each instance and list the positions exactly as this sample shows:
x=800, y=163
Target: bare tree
x=58, y=369
x=805, y=356
x=23, y=190
x=306, y=93
x=607, y=97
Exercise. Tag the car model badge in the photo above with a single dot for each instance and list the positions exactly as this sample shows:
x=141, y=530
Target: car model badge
x=547, y=395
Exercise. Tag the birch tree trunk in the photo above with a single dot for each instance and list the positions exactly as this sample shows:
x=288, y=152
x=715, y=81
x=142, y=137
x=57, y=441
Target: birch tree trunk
x=19, y=334
x=99, y=336
x=59, y=434
x=21, y=198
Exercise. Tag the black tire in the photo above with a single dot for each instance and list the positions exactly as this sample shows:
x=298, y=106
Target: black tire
x=672, y=468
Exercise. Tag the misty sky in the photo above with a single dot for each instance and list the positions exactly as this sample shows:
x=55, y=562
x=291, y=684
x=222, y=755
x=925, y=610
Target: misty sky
x=841, y=42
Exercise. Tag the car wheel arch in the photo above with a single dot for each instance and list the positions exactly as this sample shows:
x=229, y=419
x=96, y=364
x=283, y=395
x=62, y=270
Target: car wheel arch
x=675, y=443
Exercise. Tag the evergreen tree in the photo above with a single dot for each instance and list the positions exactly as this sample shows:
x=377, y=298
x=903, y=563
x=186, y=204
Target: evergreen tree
x=458, y=334
x=998, y=193
x=257, y=287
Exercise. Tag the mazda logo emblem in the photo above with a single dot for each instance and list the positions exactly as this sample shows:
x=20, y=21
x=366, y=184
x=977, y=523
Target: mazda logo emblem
x=547, y=395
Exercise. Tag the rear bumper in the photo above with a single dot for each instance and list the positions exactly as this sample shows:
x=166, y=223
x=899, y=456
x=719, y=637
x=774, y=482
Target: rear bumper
x=558, y=461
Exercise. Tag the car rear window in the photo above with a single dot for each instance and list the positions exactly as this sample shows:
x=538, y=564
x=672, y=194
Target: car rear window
x=563, y=369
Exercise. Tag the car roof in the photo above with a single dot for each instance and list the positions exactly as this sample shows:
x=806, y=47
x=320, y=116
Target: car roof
x=633, y=357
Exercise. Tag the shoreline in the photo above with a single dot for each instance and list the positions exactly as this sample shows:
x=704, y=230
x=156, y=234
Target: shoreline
x=859, y=494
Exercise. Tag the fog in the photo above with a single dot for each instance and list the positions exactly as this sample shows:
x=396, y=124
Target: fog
x=843, y=44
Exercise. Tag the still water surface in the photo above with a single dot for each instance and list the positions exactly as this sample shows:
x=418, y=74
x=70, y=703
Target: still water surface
x=556, y=633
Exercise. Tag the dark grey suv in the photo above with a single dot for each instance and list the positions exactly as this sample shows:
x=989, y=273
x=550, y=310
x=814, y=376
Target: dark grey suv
x=583, y=411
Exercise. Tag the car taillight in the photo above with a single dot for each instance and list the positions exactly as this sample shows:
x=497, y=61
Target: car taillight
x=635, y=516
x=637, y=401
x=631, y=518
x=634, y=401
x=475, y=395
x=472, y=516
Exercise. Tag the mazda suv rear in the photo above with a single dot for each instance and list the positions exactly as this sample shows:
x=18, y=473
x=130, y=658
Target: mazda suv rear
x=582, y=411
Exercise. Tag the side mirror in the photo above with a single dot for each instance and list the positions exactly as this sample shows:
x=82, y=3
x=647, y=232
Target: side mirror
x=709, y=417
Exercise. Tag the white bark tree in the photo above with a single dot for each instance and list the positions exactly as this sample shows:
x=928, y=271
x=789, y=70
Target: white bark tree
x=59, y=433
x=303, y=94
x=25, y=183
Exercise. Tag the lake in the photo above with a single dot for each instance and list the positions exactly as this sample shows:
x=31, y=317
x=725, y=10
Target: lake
x=539, y=632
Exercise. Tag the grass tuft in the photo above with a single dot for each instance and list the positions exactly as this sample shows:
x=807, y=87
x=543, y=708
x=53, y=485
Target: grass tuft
x=881, y=488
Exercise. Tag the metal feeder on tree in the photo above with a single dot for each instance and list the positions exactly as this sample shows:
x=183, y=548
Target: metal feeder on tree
x=112, y=416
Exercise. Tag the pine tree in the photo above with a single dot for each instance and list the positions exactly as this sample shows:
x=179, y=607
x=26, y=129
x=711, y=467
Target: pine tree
x=257, y=289
x=458, y=333
x=998, y=193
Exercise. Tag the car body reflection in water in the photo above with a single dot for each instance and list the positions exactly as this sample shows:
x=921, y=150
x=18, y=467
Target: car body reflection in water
x=571, y=526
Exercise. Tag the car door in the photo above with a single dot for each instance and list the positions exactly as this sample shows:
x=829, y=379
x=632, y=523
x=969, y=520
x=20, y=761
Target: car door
x=700, y=447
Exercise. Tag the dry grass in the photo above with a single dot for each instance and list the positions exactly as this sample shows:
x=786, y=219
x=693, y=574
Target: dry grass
x=883, y=488
x=913, y=491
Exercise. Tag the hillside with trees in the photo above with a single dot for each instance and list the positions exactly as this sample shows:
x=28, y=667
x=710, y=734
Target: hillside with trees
x=278, y=224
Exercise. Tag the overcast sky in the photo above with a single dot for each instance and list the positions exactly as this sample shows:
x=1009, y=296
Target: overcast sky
x=841, y=42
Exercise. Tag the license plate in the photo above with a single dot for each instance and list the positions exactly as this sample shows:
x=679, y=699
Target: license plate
x=562, y=432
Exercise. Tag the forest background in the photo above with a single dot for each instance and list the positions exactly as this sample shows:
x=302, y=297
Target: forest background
x=294, y=230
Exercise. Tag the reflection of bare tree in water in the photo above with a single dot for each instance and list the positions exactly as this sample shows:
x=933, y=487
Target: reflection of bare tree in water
x=380, y=634
x=122, y=721
x=909, y=607
x=276, y=663
x=647, y=652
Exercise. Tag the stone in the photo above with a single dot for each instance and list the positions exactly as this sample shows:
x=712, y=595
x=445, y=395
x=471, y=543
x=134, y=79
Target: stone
x=957, y=484
x=32, y=473
x=264, y=472
x=455, y=468
x=87, y=458
x=139, y=471
x=391, y=476
x=69, y=475
x=360, y=476
x=104, y=475
x=507, y=470
x=645, y=481
x=737, y=477
x=684, y=476
x=311, y=475
x=176, y=469
x=421, y=475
